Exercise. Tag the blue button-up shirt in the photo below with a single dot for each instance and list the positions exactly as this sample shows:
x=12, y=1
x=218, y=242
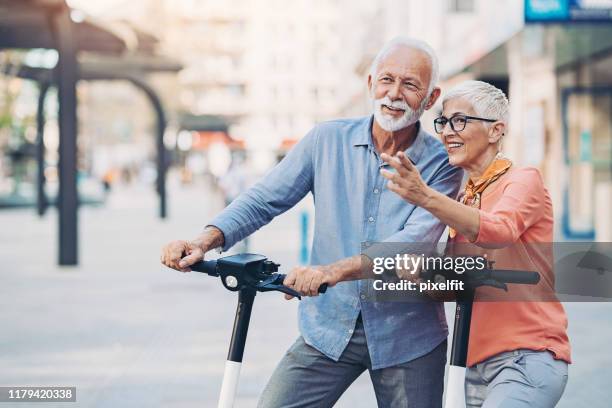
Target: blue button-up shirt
x=338, y=163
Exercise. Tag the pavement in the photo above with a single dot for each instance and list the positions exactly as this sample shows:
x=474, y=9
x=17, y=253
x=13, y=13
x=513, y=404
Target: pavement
x=128, y=332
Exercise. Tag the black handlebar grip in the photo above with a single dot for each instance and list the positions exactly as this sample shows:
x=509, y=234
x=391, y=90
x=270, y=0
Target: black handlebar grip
x=510, y=276
x=209, y=267
x=322, y=288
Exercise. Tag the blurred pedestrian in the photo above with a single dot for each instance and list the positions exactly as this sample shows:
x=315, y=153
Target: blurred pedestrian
x=232, y=184
x=107, y=180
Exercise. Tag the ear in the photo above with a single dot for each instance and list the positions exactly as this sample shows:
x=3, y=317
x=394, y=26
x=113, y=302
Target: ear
x=435, y=94
x=496, y=132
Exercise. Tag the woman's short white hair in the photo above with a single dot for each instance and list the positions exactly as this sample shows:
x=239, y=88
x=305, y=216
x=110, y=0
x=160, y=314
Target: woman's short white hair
x=487, y=101
x=410, y=43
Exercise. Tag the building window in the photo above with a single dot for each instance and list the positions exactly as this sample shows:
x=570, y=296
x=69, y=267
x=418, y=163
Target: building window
x=461, y=6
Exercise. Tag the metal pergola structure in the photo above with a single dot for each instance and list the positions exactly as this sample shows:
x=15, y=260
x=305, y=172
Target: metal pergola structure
x=28, y=24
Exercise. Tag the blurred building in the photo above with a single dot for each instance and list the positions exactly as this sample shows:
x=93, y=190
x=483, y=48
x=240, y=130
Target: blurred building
x=118, y=124
x=271, y=68
x=557, y=74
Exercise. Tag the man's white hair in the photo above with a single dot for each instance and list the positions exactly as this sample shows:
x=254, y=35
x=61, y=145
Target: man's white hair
x=487, y=101
x=413, y=43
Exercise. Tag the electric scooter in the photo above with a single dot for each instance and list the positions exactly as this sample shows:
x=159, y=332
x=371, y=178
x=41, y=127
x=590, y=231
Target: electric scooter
x=246, y=274
x=455, y=386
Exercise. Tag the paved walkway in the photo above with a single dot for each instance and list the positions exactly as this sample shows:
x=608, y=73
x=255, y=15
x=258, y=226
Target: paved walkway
x=130, y=333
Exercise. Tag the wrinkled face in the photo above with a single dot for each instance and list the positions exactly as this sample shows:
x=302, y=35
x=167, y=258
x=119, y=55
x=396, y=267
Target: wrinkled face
x=400, y=87
x=468, y=146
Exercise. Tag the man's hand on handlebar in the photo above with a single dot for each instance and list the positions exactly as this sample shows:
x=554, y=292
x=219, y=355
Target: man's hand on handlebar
x=308, y=279
x=180, y=255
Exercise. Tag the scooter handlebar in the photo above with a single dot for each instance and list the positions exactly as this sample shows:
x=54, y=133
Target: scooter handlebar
x=209, y=267
x=520, y=277
x=322, y=288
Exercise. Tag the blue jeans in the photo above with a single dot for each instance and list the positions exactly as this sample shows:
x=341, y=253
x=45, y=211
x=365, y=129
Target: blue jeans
x=307, y=378
x=516, y=379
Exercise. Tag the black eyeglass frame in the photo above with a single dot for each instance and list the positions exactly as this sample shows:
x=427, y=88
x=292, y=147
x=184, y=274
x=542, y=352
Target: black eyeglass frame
x=457, y=115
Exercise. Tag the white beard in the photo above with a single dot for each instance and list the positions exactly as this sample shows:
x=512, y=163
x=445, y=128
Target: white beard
x=391, y=124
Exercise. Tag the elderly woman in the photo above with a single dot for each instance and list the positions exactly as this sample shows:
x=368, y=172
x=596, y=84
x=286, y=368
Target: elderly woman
x=519, y=351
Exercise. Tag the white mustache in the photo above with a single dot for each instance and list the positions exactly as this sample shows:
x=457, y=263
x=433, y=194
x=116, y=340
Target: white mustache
x=393, y=104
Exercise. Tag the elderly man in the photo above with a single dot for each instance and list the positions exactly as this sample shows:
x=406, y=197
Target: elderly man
x=403, y=345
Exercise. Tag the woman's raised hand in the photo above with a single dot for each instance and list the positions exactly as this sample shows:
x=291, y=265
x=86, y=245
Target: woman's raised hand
x=406, y=181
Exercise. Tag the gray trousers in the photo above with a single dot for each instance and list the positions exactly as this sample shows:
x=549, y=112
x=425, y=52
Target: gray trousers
x=307, y=378
x=516, y=379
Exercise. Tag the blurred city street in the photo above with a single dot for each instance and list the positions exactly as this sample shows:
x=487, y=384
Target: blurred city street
x=128, y=332
x=125, y=125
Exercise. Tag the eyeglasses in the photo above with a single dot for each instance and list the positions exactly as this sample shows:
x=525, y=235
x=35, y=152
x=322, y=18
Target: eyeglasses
x=457, y=122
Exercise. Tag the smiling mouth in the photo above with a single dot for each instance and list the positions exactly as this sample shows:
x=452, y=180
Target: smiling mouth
x=454, y=145
x=392, y=109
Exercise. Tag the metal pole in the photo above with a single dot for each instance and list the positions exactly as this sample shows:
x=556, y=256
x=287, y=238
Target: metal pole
x=41, y=198
x=67, y=200
x=162, y=160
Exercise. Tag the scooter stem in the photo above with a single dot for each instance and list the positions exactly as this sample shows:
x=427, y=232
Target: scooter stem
x=246, y=297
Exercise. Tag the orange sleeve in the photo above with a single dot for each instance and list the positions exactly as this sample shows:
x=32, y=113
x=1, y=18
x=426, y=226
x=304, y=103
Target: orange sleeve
x=521, y=206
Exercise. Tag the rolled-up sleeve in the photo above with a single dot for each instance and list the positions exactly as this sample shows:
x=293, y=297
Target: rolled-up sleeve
x=280, y=189
x=520, y=207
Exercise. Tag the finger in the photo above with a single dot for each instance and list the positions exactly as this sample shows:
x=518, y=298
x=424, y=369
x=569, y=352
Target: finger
x=315, y=283
x=405, y=160
x=393, y=161
x=396, y=188
x=394, y=177
x=171, y=263
x=309, y=282
x=175, y=252
x=165, y=256
x=288, y=297
x=190, y=259
x=397, y=165
x=309, y=275
x=289, y=280
x=174, y=263
x=299, y=281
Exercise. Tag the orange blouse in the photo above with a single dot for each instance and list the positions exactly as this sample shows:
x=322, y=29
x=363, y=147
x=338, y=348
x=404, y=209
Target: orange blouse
x=515, y=214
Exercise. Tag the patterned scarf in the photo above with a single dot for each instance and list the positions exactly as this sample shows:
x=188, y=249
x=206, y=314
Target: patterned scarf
x=474, y=189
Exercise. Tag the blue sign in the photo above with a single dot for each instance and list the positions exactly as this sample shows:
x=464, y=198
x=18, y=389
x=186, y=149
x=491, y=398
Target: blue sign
x=548, y=11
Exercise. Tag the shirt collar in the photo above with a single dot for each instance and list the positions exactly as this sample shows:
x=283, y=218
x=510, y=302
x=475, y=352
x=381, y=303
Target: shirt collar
x=364, y=136
x=414, y=152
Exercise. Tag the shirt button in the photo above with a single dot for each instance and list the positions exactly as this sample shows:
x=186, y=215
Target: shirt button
x=350, y=331
x=376, y=191
x=371, y=219
x=362, y=297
